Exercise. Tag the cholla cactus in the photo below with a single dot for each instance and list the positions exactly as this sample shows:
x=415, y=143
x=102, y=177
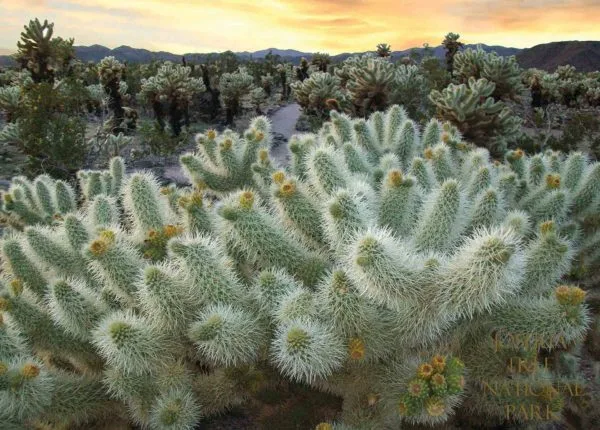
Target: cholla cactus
x=267, y=82
x=110, y=71
x=504, y=72
x=234, y=88
x=174, y=87
x=383, y=50
x=315, y=93
x=452, y=46
x=224, y=162
x=9, y=101
x=374, y=83
x=396, y=268
x=42, y=54
x=477, y=115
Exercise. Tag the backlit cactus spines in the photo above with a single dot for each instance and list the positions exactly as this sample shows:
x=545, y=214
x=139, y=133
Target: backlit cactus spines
x=130, y=344
x=177, y=409
x=488, y=267
x=75, y=307
x=22, y=268
x=142, y=200
x=442, y=223
x=306, y=350
x=227, y=336
x=65, y=198
x=103, y=211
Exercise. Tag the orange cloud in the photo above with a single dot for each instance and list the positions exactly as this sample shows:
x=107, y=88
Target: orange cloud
x=312, y=25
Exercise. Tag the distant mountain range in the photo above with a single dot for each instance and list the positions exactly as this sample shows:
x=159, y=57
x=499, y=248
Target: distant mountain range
x=585, y=56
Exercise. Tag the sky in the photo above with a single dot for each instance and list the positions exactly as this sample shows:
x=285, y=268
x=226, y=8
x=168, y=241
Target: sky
x=333, y=26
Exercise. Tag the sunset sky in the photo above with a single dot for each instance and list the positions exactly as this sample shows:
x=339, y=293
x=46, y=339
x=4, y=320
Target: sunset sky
x=333, y=26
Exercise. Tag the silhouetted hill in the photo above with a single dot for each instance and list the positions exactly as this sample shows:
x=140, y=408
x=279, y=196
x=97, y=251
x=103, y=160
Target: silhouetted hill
x=585, y=56
x=135, y=55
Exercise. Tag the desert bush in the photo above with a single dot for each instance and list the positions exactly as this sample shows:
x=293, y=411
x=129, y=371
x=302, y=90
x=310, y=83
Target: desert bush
x=49, y=128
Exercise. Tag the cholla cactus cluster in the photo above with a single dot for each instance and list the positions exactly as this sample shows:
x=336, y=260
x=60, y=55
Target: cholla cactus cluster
x=362, y=85
x=172, y=90
x=110, y=72
x=385, y=265
x=41, y=54
x=504, y=72
x=315, y=93
x=235, y=88
x=481, y=119
x=565, y=86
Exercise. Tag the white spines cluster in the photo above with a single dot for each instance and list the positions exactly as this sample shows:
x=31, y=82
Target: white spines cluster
x=378, y=266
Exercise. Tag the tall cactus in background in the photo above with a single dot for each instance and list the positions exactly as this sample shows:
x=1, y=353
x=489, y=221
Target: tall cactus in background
x=397, y=268
x=452, y=46
x=171, y=89
x=234, y=87
x=111, y=71
x=41, y=54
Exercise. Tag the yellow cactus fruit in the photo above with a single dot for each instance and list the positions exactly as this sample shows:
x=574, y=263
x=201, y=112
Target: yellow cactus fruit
x=263, y=155
x=171, y=230
x=108, y=236
x=553, y=181
x=99, y=247
x=288, y=189
x=211, y=134
x=425, y=371
x=562, y=294
x=395, y=178
x=226, y=144
x=356, y=347
x=247, y=199
x=547, y=227
x=16, y=286
x=324, y=426
x=439, y=363
x=428, y=153
x=435, y=406
x=519, y=153
x=577, y=295
x=279, y=177
x=30, y=371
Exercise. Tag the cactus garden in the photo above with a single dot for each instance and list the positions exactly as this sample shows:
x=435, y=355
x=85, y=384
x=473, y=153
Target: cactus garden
x=422, y=252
